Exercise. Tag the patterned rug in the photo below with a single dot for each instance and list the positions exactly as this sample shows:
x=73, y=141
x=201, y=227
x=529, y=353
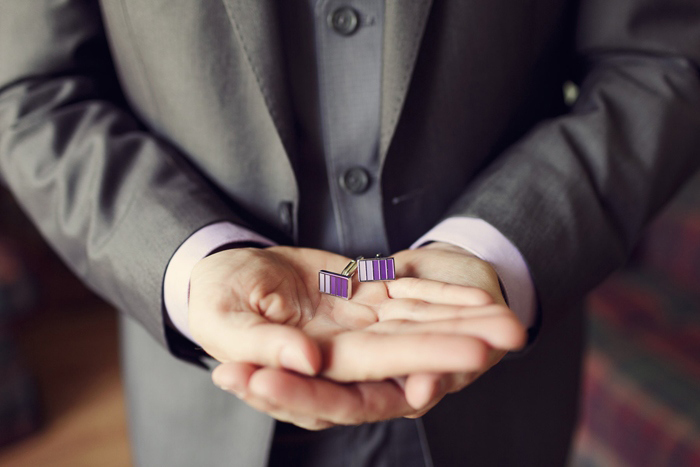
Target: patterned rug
x=641, y=392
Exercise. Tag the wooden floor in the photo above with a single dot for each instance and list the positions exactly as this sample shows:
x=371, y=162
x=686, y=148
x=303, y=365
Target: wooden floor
x=70, y=344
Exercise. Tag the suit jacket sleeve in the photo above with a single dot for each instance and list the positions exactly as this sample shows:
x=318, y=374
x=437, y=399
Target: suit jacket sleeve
x=114, y=200
x=574, y=193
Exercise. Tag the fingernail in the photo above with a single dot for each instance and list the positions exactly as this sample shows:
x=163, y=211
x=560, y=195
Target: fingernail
x=218, y=381
x=221, y=386
x=292, y=358
x=224, y=383
x=235, y=390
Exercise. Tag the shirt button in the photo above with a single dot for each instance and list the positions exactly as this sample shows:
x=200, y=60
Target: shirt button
x=355, y=180
x=344, y=21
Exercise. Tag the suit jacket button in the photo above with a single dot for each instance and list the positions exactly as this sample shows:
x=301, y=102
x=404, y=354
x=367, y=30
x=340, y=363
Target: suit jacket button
x=285, y=216
x=344, y=21
x=355, y=180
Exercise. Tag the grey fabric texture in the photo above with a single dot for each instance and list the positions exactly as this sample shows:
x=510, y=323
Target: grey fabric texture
x=349, y=83
x=383, y=444
x=472, y=124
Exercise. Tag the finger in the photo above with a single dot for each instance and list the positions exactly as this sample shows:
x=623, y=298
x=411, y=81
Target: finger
x=424, y=389
x=369, y=356
x=248, y=337
x=419, y=383
x=235, y=377
x=438, y=292
x=342, y=404
x=303, y=421
x=419, y=310
x=500, y=331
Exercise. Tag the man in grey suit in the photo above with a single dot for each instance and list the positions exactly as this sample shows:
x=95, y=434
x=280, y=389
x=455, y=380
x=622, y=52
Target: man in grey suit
x=356, y=127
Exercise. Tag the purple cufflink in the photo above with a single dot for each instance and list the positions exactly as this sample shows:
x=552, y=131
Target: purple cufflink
x=376, y=269
x=338, y=285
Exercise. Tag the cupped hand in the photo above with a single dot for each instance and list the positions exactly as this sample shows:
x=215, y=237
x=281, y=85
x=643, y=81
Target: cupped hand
x=262, y=306
x=260, y=311
x=451, y=264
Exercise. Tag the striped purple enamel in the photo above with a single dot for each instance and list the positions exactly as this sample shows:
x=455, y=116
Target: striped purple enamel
x=334, y=284
x=376, y=269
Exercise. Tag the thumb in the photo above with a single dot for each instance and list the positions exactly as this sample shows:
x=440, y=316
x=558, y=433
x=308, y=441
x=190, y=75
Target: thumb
x=242, y=336
x=244, y=306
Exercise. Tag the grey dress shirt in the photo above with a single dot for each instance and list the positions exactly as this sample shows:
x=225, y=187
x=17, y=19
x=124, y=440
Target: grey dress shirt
x=337, y=50
x=336, y=47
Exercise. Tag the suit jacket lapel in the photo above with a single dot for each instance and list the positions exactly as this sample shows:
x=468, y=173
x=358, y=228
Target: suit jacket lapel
x=405, y=23
x=256, y=26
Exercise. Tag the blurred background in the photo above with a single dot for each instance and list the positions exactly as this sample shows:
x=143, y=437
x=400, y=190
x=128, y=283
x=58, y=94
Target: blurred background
x=61, y=401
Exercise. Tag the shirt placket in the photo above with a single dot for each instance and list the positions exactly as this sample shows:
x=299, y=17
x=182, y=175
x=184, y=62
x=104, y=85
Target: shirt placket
x=349, y=46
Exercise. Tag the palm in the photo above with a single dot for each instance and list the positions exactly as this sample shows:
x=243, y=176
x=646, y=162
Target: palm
x=249, y=302
x=259, y=303
x=329, y=316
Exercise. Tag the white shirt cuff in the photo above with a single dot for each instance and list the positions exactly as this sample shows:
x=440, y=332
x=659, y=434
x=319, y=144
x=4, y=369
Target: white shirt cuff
x=484, y=241
x=176, y=284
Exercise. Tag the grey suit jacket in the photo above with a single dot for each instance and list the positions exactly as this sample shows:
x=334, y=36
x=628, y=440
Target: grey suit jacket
x=127, y=125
